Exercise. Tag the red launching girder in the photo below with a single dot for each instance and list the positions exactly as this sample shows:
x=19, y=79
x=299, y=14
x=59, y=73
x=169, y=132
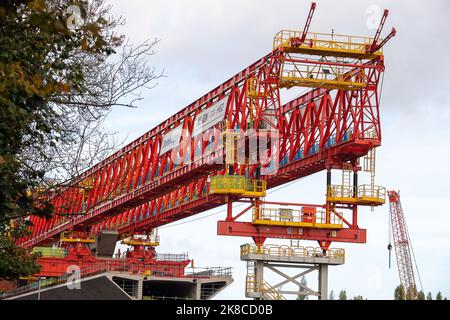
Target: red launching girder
x=138, y=172
x=140, y=187
x=319, y=128
x=337, y=123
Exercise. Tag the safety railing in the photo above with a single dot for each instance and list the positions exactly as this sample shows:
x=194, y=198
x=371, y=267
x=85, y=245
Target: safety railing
x=210, y=271
x=50, y=252
x=227, y=184
x=368, y=191
x=152, y=240
x=364, y=192
x=314, y=40
x=293, y=216
x=75, y=236
x=295, y=73
x=234, y=184
x=177, y=257
x=340, y=191
x=254, y=185
x=287, y=251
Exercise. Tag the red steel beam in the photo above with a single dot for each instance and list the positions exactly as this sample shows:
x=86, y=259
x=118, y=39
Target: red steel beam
x=248, y=229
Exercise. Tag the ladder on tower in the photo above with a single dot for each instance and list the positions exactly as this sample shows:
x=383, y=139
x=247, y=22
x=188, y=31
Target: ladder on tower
x=250, y=280
x=346, y=175
x=369, y=166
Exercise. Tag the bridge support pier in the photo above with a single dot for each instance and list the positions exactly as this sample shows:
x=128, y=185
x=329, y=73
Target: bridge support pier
x=289, y=265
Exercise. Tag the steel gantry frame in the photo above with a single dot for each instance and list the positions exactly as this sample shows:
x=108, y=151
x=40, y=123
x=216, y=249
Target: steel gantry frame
x=148, y=184
x=318, y=130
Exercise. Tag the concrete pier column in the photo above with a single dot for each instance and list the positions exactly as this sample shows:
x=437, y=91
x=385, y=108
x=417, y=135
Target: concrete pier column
x=323, y=282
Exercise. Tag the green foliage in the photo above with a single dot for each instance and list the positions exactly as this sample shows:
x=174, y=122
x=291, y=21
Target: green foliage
x=429, y=296
x=421, y=295
x=343, y=295
x=439, y=296
x=399, y=293
x=15, y=261
x=36, y=65
x=359, y=297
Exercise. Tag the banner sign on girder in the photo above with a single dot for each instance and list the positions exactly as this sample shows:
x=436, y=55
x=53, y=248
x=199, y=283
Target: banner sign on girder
x=210, y=117
x=171, y=139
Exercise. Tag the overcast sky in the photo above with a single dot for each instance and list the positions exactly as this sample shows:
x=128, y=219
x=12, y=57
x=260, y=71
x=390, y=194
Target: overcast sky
x=204, y=42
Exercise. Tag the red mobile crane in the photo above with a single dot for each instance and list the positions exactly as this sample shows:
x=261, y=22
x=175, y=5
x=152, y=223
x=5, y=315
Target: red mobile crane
x=402, y=244
x=188, y=163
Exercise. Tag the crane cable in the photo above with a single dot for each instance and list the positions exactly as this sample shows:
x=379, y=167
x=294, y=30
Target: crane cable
x=414, y=256
x=389, y=247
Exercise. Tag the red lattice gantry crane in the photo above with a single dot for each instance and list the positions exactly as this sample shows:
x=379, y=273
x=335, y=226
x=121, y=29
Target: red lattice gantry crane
x=202, y=157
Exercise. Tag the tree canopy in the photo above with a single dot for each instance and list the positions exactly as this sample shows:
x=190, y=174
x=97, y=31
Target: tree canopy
x=343, y=295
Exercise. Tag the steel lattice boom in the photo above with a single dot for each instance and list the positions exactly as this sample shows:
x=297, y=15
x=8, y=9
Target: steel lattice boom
x=402, y=246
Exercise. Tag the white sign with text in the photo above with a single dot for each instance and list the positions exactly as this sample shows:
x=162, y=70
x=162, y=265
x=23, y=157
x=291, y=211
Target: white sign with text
x=210, y=117
x=171, y=139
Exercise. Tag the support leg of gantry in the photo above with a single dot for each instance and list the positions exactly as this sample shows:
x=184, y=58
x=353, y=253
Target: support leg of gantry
x=323, y=282
x=290, y=266
x=259, y=276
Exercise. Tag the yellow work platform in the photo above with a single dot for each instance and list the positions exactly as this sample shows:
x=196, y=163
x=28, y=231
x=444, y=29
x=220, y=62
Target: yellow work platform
x=136, y=242
x=323, y=44
x=363, y=201
x=74, y=237
x=237, y=185
x=80, y=240
x=367, y=195
x=370, y=201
